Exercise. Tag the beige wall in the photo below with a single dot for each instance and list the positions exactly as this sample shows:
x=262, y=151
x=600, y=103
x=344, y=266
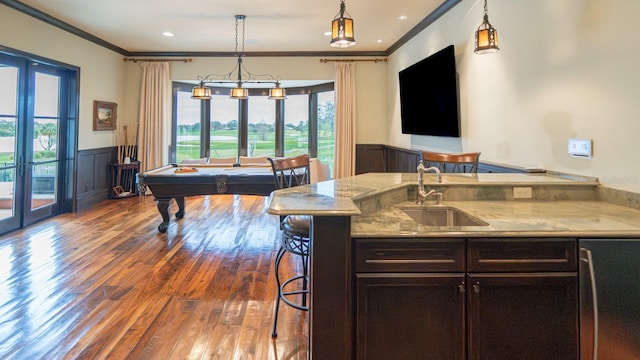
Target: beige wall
x=101, y=70
x=105, y=76
x=566, y=69
x=371, y=97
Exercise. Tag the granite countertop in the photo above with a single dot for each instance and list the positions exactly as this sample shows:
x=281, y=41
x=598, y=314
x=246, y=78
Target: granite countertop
x=509, y=218
x=549, y=215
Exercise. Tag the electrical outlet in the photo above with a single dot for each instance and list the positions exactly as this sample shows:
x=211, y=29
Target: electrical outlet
x=522, y=193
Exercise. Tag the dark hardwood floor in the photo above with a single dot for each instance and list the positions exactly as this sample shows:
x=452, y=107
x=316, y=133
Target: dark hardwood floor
x=104, y=283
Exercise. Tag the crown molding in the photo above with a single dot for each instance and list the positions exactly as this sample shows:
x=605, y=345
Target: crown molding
x=35, y=13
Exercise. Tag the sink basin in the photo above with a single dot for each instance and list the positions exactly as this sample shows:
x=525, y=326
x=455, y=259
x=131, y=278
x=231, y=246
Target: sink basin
x=441, y=216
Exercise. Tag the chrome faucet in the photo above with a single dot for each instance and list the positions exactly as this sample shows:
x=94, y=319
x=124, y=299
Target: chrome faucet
x=422, y=194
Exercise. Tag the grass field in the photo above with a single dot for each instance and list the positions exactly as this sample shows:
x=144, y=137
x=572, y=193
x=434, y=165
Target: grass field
x=295, y=144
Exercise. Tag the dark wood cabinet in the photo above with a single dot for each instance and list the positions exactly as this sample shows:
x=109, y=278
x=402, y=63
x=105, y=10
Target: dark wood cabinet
x=456, y=298
x=410, y=316
x=523, y=316
x=522, y=298
x=410, y=299
x=522, y=255
x=409, y=255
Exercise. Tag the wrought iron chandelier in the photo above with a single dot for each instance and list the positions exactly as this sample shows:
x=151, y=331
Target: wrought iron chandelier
x=486, y=35
x=202, y=92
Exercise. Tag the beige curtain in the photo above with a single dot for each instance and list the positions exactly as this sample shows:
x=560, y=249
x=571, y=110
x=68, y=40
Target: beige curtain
x=345, y=93
x=155, y=97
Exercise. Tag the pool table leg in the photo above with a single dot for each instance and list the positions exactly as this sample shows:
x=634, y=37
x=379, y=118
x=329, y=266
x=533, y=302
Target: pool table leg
x=180, y=202
x=163, y=208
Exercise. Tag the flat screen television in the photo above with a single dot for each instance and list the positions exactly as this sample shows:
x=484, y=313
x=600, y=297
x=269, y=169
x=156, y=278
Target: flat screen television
x=429, y=96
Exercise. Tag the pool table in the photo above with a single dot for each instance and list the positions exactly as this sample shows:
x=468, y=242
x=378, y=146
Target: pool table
x=169, y=182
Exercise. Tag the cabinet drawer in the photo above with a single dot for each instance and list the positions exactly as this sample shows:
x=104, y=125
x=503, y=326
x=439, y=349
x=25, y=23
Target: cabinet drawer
x=522, y=254
x=409, y=255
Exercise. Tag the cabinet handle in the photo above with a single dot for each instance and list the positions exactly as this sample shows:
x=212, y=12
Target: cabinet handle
x=476, y=288
x=594, y=291
x=461, y=287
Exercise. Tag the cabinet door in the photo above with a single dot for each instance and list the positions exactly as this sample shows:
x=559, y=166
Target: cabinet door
x=410, y=316
x=523, y=316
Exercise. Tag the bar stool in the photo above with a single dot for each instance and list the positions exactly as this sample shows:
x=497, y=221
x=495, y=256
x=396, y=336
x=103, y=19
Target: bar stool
x=290, y=172
x=452, y=163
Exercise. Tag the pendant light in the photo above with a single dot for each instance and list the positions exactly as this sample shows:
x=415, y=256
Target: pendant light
x=342, y=29
x=277, y=93
x=239, y=92
x=486, y=35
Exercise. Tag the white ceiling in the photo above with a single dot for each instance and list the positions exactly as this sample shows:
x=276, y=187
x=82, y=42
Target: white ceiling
x=209, y=25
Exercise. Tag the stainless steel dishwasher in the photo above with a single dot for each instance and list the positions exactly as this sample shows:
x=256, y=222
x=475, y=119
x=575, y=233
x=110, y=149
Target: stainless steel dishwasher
x=609, y=299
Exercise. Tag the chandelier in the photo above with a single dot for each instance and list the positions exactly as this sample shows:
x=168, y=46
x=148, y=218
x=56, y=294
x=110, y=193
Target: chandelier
x=202, y=92
x=342, y=29
x=486, y=35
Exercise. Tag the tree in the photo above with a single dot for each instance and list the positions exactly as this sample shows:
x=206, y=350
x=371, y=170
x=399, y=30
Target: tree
x=302, y=127
x=263, y=130
x=326, y=119
x=46, y=134
x=7, y=128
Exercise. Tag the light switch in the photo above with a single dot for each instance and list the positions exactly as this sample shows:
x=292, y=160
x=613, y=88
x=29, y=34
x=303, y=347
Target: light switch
x=580, y=148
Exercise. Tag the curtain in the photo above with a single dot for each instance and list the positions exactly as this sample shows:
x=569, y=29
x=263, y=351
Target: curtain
x=345, y=145
x=155, y=97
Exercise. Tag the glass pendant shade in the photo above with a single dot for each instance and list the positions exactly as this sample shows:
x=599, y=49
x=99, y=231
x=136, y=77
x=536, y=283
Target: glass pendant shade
x=239, y=93
x=342, y=35
x=486, y=36
x=277, y=93
x=486, y=39
x=201, y=92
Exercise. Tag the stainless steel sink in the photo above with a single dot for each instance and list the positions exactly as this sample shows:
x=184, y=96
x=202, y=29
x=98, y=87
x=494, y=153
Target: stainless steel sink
x=441, y=216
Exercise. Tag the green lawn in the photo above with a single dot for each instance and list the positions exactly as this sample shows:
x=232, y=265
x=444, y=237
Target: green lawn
x=228, y=148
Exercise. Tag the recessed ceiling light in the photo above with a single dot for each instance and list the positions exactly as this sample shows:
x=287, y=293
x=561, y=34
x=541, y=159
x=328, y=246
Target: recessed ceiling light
x=328, y=33
x=379, y=40
x=167, y=34
x=402, y=17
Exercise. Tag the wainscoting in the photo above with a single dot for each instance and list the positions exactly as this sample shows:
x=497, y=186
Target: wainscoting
x=93, y=176
x=385, y=158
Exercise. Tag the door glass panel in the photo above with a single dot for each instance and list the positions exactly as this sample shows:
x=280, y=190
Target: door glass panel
x=188, y=127
x=262, y=122
x=326, y=127
x=296, y=125
x=44, y=171
x=8, y=116
x=224, y=127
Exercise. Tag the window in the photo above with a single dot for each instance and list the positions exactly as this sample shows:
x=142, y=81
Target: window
x=296, y=125
x=262, y=126
x=301, y=124
x=187, y=127
x=326, y=128
x=224, y=127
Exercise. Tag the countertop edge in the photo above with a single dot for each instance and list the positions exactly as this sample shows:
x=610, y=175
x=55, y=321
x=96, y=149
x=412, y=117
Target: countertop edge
x=440, y=233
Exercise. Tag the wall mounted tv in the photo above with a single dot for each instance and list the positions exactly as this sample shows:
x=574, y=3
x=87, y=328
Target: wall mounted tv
x=429, y=96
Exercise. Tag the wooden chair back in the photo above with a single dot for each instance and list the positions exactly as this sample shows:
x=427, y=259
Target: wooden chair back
x=291, y=171
x=452, y=163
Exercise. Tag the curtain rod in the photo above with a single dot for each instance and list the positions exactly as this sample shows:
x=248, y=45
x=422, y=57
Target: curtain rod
x=135, y=60
x=352, y=60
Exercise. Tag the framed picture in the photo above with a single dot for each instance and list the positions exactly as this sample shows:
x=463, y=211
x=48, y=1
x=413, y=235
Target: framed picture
x=105, y=115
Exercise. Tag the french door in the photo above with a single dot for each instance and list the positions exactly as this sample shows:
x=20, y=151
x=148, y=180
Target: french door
x=35, y=113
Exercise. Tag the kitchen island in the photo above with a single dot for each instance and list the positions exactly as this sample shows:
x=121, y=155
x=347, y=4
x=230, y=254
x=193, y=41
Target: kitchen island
x=357, y=214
